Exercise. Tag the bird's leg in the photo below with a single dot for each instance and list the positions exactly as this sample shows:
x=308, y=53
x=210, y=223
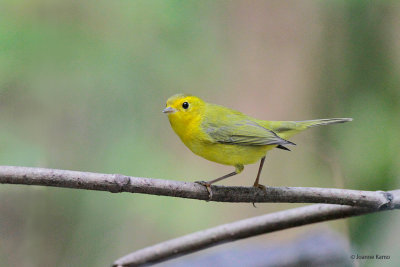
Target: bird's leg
x=208, y=183
x=239, y=169
x=256, y=184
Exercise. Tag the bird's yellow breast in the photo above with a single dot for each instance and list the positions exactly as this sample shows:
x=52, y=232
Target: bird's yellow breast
x=231, y=154
x=200, y=143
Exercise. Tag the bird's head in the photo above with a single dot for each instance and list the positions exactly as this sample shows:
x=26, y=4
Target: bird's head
x=184, y=108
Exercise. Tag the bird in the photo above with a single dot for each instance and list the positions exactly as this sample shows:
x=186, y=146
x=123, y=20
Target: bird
x=229, y=137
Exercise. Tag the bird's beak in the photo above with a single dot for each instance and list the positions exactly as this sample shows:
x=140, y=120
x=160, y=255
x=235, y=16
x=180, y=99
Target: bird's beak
x=169, y=110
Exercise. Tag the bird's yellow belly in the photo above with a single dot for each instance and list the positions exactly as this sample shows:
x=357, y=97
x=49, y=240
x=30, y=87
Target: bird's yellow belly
x=230, y=154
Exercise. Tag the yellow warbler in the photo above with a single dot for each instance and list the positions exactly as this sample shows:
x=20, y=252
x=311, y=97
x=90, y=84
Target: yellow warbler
x=228, y=136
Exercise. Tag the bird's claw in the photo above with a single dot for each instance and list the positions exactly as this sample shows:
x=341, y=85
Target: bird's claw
x=208, y=187
x=259, y=186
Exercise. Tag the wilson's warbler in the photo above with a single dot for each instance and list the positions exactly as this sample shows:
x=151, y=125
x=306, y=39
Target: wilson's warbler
x=228, y=136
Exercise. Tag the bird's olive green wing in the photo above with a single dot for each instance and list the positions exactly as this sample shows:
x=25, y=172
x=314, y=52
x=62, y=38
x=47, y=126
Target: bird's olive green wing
x=238, y=131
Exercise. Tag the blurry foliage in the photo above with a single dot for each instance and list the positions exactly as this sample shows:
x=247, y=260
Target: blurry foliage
x=82, y=86
x=359, y=70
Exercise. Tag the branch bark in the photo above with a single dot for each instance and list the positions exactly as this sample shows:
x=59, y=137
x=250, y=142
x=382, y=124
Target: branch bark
x=247, y=228
x=351, y=203
x=116, y=183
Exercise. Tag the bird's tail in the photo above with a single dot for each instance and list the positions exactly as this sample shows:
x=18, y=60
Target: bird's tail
x=286, y=129
x=312, y=123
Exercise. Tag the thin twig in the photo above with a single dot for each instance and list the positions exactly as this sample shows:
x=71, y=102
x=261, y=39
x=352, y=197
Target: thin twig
x=247, y=228
x=120, y=183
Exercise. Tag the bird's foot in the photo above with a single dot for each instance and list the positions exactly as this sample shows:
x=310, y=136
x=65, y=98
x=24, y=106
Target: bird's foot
x=259, y=186
x=208, y=187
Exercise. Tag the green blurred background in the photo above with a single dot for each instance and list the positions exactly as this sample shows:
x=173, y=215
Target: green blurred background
x=83, y=83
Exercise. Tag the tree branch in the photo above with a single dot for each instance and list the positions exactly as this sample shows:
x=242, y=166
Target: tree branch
x=359, y=202
x=247, y=228
x=116, y=183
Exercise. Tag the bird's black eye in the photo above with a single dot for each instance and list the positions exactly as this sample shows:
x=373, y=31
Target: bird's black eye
x=185, y=105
